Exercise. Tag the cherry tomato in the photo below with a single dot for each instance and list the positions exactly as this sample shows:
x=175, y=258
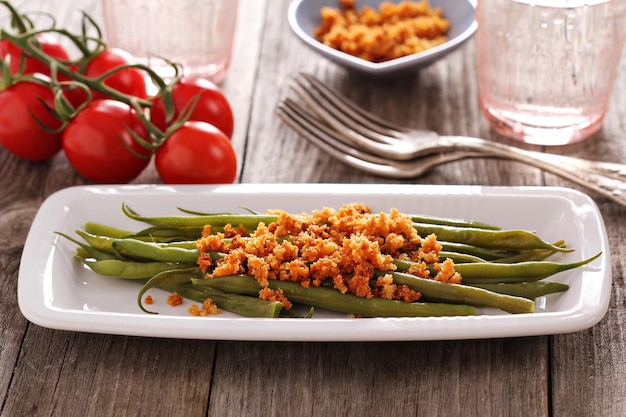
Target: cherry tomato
x=20, y=133
x=97, y=141
x=196, y=153
x=129, y=81
x=48, y=44
x=212, y=107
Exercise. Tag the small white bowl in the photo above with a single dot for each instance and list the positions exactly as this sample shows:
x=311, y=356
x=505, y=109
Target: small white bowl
x=304, y=16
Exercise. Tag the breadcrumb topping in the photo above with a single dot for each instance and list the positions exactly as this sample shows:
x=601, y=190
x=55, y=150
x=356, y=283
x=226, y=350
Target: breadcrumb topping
x=269, y=294
x=208, y=309
x=392, y=31
x=174, y=300
x=350, y=247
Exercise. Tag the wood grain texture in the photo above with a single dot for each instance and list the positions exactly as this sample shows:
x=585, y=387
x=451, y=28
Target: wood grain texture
x=466, y=378
x=47, y=372
x=94, y=375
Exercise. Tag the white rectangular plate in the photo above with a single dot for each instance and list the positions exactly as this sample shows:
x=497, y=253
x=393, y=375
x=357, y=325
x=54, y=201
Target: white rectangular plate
x=55, y=291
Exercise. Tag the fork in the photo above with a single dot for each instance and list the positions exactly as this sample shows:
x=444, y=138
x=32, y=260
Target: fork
x=362, y=140
x=324, y=137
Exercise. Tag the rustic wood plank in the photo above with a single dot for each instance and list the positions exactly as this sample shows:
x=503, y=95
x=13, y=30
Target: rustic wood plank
x=79, y=374
x=369, y=379
x=16, y=213
x=19, y=201
x=239, y=85
x=589, y=367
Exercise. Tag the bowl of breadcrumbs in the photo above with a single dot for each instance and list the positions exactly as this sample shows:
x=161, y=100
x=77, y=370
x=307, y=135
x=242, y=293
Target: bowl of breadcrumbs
x=383, y=37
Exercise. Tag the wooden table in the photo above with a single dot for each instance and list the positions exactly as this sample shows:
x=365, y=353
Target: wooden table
x=46, y=372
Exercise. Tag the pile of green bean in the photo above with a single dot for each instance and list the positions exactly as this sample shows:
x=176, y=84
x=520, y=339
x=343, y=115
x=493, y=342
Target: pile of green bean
x=503, y=269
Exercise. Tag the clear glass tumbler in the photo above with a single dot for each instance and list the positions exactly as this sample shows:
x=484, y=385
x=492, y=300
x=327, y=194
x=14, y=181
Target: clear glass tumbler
x=546, y=68
x=198, y=34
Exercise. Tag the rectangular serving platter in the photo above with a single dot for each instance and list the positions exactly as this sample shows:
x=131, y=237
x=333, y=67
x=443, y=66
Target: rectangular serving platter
x=56, y=291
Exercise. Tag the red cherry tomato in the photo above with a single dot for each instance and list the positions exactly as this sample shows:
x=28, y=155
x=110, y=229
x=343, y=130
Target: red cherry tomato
x=129, y=81
x=20, y=133
x=212, y=107
x=49, y=45
x=196, y=153
x=97, y=141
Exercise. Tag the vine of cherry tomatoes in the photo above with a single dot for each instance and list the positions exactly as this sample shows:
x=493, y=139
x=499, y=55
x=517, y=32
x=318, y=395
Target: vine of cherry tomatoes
x=96, y=110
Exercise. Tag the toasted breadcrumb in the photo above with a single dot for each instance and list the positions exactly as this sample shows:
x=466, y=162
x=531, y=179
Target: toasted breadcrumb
x=350, y=247
x=208, y=309
x=205, y=261
x=269, y=294
x=419, y=269
x=446, y=272
x=385, y=288
x=230, y=231
x=430, y=249
x=394, y=31
x=174, y=300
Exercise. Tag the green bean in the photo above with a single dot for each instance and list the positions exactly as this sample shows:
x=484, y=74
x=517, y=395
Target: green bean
x=419, y=218
x=334, y=300
x=179, y=281
x=517, y=272
x=155, y=252
x=103, y=243
x=291, y=313
x=183, y=244
x=458, y=258
x=459, y=293
x=531, y=255
x=497, y=255
x=495, y=239
x=235, y=303
x=204, y=213
x=248, y=221
x=104, y=230
x=493, y=272
x=452, y=222
x=106, y=237
x=168, y=234
x=87, y=251
x=487, y=254
x=127, y=269
x=530, y=290
x=112, y=245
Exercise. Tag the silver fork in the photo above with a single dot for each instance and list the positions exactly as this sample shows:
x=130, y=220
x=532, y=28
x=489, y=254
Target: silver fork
x=316, y=131
x=363, y=140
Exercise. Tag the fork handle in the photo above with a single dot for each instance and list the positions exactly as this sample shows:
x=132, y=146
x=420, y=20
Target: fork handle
x=606, y=178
